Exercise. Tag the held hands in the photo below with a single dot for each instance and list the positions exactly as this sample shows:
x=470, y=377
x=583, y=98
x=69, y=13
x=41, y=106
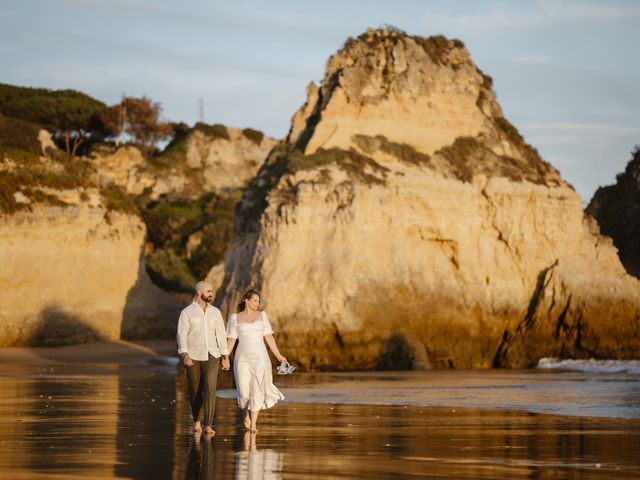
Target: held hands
x=226, y=364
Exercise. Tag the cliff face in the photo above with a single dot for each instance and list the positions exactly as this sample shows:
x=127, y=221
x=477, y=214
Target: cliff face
x=204, y=159
x=404, y=223
x=69, y=276
x=186, y=195
x=617, y=209
x=71, y=268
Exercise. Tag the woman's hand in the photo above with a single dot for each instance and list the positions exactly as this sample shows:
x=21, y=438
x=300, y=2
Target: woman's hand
x=282, y=359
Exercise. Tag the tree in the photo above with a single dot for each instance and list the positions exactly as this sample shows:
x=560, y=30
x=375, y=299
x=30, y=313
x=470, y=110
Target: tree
x=69, y=115
x=138, y=117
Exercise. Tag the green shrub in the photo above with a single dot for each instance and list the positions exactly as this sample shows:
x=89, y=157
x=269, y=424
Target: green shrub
x=38, y=196
x=18, y=155
x=487, y=81
x=19, y=134
x=539, y=169
x=115, y=198
x=32, y=176
x=170, y=222
x=402, y=151
x=8, y=187
x=168, y=270
x=70, y=115
x=216, y=130
x=285, y=158
x=51, y=108
x=437, y=47
x=254, y=135
x=174, y=154
x=459, y=155
x=351, y=161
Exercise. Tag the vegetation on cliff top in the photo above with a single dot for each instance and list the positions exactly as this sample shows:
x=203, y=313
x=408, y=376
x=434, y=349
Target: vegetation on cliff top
x=78, y=121
x=437, y=47
x=255, y=136
x=70, y=115
x=23, y=174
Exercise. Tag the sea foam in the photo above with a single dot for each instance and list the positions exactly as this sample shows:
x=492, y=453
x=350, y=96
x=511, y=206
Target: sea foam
x=591, y=365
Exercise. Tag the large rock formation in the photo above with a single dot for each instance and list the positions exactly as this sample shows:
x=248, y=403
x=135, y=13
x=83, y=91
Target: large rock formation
x=404, y=223
x=72, y=268
x=617, y=209
x=68, y=275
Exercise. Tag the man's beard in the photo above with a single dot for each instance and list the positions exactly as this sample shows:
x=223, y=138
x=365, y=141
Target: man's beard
x=208, y=299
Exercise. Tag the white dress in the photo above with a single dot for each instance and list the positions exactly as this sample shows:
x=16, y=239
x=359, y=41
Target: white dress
x=251, y=365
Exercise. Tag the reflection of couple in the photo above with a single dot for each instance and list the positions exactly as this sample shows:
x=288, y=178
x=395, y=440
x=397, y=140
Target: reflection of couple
x=202, y=343
x=250, y=463
x=254, y=464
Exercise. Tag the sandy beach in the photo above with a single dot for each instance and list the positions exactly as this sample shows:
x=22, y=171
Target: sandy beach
x=119, y=411
x=99, y=352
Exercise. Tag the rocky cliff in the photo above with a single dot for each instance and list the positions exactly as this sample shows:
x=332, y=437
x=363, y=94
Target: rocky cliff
x=617, y=209
x=69, y=276
x=71, y=267
x=206, y=158
x=404, y=223
x=186, y=195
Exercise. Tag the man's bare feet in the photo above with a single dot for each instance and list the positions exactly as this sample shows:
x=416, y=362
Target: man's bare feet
x=209, y=432
x=253, y=429
x=197, y=427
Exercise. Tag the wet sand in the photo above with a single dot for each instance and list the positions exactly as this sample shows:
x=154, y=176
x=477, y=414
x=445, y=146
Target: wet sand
x=127, y=417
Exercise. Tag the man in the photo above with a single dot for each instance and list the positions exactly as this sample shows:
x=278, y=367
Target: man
x=201, y=343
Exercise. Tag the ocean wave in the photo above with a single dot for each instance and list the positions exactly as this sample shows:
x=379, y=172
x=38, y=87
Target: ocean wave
x=591, y=365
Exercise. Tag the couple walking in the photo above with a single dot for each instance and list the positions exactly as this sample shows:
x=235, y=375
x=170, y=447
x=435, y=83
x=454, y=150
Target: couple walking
x=204, y=346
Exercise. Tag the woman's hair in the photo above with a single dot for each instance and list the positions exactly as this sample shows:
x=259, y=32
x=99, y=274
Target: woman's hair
x=247, y=295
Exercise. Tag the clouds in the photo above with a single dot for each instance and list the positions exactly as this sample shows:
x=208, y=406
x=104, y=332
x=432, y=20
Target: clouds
x=565, y=72
x=583, y=128
x=512, y=17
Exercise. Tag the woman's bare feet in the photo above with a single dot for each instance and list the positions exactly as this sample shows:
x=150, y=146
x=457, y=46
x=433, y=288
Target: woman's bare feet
x=247, y=421
x=254, y=421
x=209, y=432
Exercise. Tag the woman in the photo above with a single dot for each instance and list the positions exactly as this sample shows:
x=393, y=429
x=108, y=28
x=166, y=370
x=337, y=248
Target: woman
x=251, y=364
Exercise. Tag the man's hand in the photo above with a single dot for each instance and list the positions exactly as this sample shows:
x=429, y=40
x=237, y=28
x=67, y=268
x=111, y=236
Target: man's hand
x=187, y=361
x=225, y=363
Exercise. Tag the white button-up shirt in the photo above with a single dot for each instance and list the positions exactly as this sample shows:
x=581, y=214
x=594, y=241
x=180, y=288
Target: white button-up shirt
x=201, y=332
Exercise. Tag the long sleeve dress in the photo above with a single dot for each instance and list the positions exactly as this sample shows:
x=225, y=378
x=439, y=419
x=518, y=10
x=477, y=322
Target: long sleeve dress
x=251, y=364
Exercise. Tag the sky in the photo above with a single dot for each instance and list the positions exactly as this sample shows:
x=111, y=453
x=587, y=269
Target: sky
x=566, y=73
